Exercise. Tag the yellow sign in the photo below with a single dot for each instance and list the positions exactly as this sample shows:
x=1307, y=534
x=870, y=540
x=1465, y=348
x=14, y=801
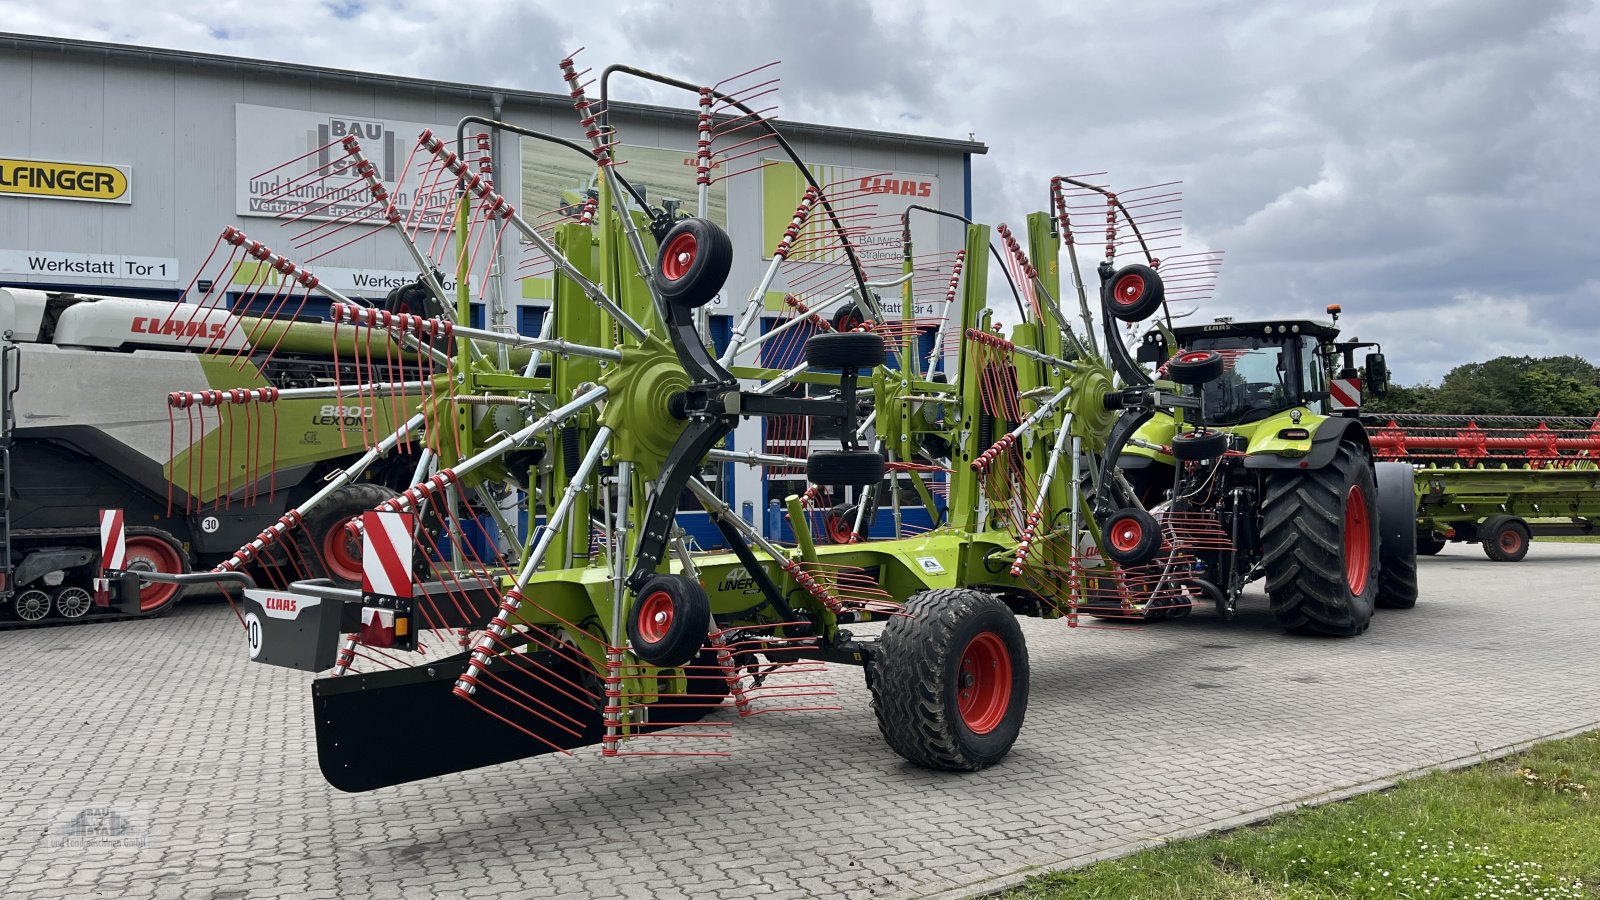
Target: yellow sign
x=65, y=181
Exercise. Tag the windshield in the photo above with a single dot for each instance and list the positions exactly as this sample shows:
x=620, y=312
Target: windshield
x=1255, y=381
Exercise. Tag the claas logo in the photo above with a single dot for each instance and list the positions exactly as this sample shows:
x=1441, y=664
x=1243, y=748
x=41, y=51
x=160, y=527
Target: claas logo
x=904, y=187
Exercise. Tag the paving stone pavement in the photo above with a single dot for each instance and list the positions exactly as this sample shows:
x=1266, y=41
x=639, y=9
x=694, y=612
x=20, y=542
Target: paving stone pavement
x=1131, y=736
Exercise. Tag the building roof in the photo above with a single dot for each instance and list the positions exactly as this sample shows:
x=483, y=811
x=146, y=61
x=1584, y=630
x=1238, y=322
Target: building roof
x=68, y=47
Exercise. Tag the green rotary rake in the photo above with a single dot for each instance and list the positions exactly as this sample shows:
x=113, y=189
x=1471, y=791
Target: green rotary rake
x=605, y=625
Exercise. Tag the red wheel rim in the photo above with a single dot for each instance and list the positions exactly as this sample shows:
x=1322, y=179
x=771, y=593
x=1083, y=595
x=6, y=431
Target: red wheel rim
x=680, y=254
x=341, y=551
x=1510, y=540
x=146, y=553
x=1194, y=356
x=840, y=531
x=1126, y=535
x=1128, y=290
x=1357, y=540
x=655, y=616
x=983, y=683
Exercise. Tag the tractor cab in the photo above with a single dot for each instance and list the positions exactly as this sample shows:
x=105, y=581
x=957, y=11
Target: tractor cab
x=1268, y=367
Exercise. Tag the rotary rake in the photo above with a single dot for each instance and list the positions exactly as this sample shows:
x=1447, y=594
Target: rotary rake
x=606, y=626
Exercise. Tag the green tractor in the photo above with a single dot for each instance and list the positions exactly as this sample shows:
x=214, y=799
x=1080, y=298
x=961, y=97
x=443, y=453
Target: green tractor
x=1253, y=428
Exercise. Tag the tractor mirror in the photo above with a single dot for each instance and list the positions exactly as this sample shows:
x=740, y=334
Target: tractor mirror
x=1377, y=380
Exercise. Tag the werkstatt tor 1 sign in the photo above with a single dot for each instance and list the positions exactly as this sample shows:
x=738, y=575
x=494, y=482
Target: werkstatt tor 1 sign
x=65, y=180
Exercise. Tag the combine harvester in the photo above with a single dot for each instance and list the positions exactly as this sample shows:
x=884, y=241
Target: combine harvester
x=1498, y=481
x=604, y=626
x=84, y=425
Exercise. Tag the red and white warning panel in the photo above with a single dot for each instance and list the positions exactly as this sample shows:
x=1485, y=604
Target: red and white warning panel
x=1345, y=393
x=386, y=552
x=113, y=540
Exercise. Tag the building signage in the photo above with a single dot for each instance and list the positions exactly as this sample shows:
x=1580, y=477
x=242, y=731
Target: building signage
x=318, y=184
x=68, y=265
x=250, y=276
x=43, y=179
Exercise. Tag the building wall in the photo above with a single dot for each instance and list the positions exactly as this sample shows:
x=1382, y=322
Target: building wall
x=173, y=124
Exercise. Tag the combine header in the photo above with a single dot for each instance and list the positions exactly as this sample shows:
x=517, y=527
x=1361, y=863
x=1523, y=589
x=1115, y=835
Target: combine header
x=605, y=625
x=1498, y=481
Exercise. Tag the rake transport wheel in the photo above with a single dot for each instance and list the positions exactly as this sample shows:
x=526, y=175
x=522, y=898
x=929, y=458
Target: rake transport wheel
x=848, y=350
x=153, y=550
x=1321, y=532
x=1429, y=546
x=326, y=546
x=845, y=467
x=1505, y=538
x=1397, y=527
x=693, y=263
x=1196, y=367
x=1132, y=537
x=669, y=620
x=950, y=680
x=1134, y=293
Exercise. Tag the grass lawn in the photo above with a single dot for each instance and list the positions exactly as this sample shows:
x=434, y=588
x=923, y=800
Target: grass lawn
x=1525, y=826
x=1573, y=539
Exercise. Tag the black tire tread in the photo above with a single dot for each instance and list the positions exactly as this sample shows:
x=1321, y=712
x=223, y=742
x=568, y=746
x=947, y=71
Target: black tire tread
x=342, y=503
x=907, y=684
x=1302, y=525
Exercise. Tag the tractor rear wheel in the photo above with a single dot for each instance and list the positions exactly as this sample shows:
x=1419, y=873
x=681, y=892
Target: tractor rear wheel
x=950, y=680
x=1505, y=538
x=1397, y=525
x=1320, y=530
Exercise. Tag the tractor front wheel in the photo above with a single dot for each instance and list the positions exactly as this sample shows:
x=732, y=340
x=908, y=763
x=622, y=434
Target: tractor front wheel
x=950, y=680
x=1320, y=528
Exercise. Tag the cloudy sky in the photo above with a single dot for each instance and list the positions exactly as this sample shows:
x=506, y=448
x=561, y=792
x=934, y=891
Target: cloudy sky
x=1428, y=164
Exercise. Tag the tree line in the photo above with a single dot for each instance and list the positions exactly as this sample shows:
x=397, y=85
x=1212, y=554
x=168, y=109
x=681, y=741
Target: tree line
x=1503, y=386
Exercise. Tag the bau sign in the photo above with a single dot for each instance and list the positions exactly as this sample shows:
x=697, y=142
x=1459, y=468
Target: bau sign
x=65, y=181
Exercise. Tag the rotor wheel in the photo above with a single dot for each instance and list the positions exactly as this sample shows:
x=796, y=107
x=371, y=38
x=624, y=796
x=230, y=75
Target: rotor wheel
x=847, y=350
x=950, y=680
x=1132, y=537
x=670, y=618
x=155, y=553
x=1196, y=367
x=693, y=263
x=1198, y=446
x=1429, y=546
x=1320, y=528
x=845, y=467
x=1134, y=293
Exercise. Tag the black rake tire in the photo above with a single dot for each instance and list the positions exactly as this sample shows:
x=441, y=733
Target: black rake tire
x=323, y=529
x=1196, y=367
x=925, y=693
x=669, y=620
x=1505, y=538
x=846, y=350
x=1198, y=446
x=693, y=263
x=1133, y=293
x=1132, y=537
x=1304, y=531
x=1429, y=546
x=844, y=467
x=1397, y=527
